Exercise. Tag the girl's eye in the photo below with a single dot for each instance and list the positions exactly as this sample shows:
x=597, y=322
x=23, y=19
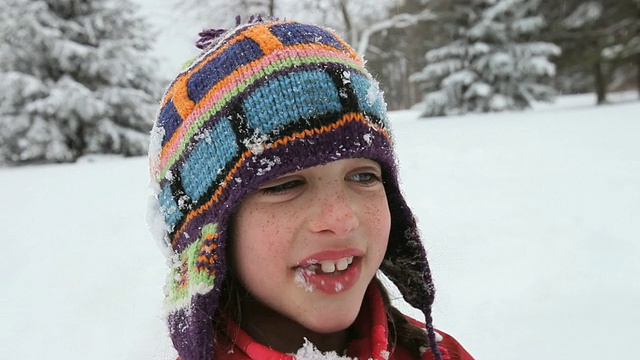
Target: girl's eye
x=368, y=178
x=281, y=188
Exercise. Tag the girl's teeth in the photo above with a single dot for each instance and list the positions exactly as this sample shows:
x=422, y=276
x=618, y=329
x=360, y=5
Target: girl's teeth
x=340, y=264
x=328, y=266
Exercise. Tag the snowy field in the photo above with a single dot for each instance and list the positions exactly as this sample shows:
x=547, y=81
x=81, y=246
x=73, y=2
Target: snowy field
x=532, y=222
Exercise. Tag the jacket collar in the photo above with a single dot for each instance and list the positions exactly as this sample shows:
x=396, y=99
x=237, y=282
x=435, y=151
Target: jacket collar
x=370, y=341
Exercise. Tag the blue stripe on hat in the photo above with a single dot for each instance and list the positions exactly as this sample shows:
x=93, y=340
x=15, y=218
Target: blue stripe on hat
x=168, y=206
x=293, y=33
x=234, y=56
x=288, y=98
x=369, y=96
x=169, y=120
x=215, y=148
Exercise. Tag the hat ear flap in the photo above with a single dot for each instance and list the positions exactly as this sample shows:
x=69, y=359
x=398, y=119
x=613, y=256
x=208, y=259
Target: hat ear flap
x=405, y=261
x=201, y=268
x=411, y=275
x=191, y=329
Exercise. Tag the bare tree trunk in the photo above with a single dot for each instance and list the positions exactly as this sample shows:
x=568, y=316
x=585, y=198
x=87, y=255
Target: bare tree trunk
x=272, y=7
x=347, y=22
x=601, y=87
x=638, y=73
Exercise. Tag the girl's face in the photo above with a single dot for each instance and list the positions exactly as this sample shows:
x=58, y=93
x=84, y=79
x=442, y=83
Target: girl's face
x=307, y=244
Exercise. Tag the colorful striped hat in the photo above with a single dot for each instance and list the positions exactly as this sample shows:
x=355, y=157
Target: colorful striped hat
x=263, y=100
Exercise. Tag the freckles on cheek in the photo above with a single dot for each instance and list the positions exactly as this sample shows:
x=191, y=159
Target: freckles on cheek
x=273, y=232
x=379, y=217
x=378, y=209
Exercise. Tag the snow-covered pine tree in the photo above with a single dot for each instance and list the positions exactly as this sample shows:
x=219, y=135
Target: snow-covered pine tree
x=77, y=77
x=622, y=36
x=494, y=62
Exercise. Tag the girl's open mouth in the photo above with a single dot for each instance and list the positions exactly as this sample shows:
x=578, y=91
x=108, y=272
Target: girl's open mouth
x=329, y=276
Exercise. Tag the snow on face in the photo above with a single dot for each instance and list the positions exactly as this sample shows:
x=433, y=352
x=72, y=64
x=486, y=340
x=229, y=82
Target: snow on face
x=301, y=280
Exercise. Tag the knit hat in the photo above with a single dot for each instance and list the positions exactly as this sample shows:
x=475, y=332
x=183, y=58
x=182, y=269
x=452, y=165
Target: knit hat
x=263, y=100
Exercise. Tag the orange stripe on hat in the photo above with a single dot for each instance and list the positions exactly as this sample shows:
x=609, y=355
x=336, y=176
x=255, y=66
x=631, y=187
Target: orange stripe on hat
x=181, y=100
x=263, y=37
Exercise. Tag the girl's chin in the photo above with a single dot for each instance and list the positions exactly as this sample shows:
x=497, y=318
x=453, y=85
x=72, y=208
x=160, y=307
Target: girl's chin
x=329, y=323
x=333, y=315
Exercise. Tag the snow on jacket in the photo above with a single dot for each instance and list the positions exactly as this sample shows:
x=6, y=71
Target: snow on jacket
x=370, y=342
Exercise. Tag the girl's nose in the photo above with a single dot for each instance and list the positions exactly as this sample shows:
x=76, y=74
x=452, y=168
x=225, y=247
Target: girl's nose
x=333, y=212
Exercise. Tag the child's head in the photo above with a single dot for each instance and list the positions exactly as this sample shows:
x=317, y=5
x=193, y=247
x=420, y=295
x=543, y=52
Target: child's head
x=275, y=144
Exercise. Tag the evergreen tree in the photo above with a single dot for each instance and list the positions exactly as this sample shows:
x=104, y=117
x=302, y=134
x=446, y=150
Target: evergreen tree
x=494, y=62
x=394, y=48
x=600, y=41
x=77, y=78
x=623, y=48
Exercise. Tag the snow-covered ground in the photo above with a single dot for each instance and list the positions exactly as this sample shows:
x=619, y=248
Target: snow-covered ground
x=532, y=222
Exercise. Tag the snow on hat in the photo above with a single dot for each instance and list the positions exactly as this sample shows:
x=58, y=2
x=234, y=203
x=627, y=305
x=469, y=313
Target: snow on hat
x=263, y=100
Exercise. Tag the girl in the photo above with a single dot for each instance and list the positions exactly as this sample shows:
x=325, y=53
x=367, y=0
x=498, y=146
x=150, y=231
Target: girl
x=277, y=203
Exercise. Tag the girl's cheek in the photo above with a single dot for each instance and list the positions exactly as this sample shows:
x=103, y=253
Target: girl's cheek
x=277, y=228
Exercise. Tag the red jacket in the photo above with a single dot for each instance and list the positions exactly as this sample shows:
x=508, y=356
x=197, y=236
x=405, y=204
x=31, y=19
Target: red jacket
x=370, y=343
